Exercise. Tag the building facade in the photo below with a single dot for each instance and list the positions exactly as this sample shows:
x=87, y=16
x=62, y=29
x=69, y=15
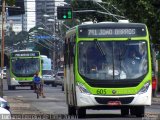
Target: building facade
x=35, y=11
x=22, y=22
x=45, y=7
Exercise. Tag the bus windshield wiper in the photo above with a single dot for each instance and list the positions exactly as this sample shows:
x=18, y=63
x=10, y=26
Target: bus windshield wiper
x=100, y=48
x=124, y=50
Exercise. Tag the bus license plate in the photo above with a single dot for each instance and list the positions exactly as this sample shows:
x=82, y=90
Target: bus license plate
x=114, y=103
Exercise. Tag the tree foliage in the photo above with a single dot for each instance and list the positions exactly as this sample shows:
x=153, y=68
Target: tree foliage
x=12, y=39
x=140, y=11
x=11, y=2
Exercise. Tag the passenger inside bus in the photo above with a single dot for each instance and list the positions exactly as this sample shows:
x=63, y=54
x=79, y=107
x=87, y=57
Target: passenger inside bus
x=94, y=59
x=143, y=53
x=132, y=62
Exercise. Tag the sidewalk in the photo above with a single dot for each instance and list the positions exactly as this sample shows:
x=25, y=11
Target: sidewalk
x=18, y=106
x=156, y=100
x=21, y=110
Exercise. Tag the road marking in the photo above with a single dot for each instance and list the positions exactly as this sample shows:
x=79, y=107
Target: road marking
x=20, y=96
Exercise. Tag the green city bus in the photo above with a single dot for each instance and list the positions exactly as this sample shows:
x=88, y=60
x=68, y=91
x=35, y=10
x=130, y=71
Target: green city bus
x=23, y=65
x=108, y=66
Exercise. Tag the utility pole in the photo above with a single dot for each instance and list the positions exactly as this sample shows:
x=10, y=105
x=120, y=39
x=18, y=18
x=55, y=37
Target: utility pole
x=2, y=47
x=54, y=32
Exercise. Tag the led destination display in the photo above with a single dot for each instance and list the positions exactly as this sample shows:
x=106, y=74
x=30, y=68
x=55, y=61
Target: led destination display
x=112, y=32
x=25, y=54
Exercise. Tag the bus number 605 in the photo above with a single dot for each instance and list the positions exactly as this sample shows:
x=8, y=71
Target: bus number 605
x=101, y=91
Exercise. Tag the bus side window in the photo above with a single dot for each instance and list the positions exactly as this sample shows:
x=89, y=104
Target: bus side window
x=72, y=49
x=66, y=52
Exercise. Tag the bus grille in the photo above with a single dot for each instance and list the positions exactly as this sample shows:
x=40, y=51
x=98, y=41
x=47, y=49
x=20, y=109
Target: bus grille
x=125, y=100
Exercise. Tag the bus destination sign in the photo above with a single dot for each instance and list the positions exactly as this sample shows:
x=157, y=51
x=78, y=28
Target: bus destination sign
x=111, y=32
x=25, y=54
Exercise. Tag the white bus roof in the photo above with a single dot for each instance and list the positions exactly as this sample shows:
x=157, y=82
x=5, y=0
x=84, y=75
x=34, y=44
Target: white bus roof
x=44, y=56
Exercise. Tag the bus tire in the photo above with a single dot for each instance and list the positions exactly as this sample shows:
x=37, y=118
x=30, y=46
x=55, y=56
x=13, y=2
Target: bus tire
x=154, y=93
x=11, y=87
x=31, y=87
x=81, y=112
x=133, y=111
x=71, y=110
x=62, y=88
x=139, y=111
x=53, y=84
x=124, y=111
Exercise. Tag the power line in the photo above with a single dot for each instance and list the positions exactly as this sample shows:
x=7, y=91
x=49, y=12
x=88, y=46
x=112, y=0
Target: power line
x=114, y=15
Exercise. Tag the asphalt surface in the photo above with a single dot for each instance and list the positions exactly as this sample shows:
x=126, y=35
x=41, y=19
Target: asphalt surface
x=24, y=102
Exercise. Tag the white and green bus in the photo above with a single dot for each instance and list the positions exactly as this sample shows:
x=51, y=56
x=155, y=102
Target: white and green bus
x=108, y=66
x=23, y=65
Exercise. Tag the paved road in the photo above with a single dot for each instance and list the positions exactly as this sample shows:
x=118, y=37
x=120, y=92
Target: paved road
x=23, y=100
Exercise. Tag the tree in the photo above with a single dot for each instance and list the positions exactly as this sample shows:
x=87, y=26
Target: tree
x=22, y=37
x=144, y=11
x=141, y=11
x=42, y=44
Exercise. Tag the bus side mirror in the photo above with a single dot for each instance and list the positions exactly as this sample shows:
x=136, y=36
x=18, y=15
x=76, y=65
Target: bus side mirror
x=42, y=61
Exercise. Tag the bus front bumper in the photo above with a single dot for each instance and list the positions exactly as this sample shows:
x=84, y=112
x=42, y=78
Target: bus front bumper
x=89, y=100
x=21, y=83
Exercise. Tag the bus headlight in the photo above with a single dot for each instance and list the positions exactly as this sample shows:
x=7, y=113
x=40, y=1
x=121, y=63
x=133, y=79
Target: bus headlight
x=144, y=88
x=14, y=81
x=82, y=88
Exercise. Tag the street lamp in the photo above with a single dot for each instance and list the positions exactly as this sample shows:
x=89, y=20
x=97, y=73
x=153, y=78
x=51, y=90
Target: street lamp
x=48, y=41
x=41, y=33
x=54, y=52
x=51, y=18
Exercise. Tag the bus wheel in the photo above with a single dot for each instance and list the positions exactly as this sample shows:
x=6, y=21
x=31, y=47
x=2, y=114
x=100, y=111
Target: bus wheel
x=81, y=112
x=124, y=111
x=13, y=87
x=71, y=110
x=138, y=111
x=10, y=87
x=62, y=88
x=154, y=93
x=133, y=111
x=32, y=88
x=53, y=84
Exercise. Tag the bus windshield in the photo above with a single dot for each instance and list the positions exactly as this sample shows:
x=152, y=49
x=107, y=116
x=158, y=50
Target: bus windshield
x=112, y=60
x=47, y=72
x=25, y=67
